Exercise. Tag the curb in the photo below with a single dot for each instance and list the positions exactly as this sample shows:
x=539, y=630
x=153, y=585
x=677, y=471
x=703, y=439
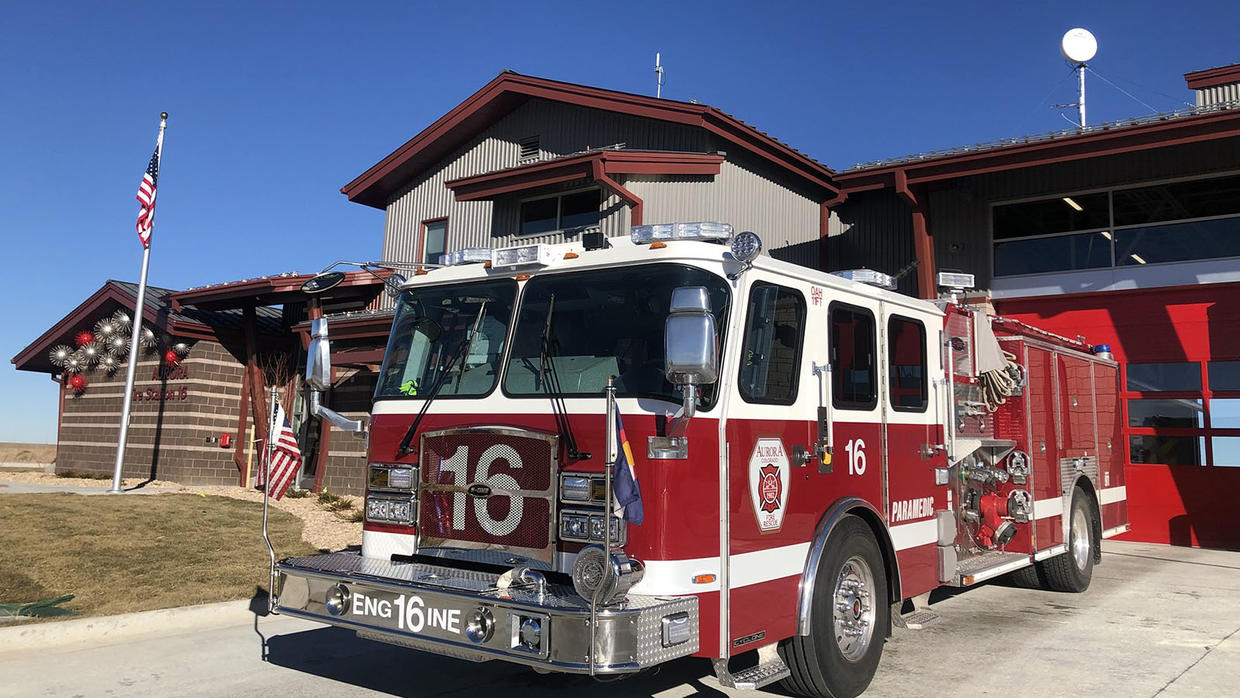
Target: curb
x=113, y=629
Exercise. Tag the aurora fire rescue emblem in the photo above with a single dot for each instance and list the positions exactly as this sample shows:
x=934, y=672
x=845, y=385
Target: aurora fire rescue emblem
x=768, y=477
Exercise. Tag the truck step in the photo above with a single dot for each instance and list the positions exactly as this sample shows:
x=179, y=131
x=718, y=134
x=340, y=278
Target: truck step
x=770, y=668
x=917, y=619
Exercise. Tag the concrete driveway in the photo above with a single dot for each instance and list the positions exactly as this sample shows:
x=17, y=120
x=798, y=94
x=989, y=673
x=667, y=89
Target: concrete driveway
x=1158, y=621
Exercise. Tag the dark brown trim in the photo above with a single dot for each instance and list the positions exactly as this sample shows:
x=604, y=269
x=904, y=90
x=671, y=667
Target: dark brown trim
x=585, y=166
x=271, y=290
x=510, y=90
x=1092, y=144
x=635, y=203
x=73, y=321
x=257, y=382
x=1213, y=77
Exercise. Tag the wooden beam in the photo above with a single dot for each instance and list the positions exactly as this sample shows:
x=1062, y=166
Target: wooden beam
x=258, y=385
x=243, y=412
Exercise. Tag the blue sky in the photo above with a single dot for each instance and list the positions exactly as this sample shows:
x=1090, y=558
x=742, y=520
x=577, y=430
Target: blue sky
x=275, y=106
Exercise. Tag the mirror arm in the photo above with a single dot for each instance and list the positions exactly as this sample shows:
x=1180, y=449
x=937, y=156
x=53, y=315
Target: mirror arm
x=317, y=409
x=680, y=420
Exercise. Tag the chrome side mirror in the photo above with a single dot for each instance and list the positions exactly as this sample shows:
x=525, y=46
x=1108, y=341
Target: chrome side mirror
x=689, y=341
x=319, y=378
x=319, y=357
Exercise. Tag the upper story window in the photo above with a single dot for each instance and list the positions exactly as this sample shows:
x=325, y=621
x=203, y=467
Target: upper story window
x=560, y=212
x=1171, y=222
x=771, y=355
x=433, y=242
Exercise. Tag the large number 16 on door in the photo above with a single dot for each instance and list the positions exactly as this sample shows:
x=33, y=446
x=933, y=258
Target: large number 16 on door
x=856, y=457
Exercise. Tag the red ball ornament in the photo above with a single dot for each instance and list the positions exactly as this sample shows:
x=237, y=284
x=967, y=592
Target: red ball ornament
x=172, y=358
x=78, y=383
x=83, y=338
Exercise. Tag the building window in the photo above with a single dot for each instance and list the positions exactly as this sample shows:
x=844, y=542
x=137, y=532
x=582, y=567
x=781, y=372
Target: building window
x=771, y=355
x=1183, y=413
x=854, y=383
x=1173, y=222
x=906, y=364
x=560, y=212
x=434, y=241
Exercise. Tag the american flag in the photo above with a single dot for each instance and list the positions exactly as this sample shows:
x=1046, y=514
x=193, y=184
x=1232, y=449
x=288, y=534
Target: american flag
x=146, y=197
x=285, y=458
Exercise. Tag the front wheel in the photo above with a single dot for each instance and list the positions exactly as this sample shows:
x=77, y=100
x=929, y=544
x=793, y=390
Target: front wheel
x=1073, y=570
x=848, y=618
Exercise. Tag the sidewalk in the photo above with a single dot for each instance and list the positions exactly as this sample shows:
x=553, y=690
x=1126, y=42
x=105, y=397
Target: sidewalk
x=13, y=487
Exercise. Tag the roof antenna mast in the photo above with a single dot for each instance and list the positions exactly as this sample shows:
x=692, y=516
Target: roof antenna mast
x=1077, y=47
x=658, y=74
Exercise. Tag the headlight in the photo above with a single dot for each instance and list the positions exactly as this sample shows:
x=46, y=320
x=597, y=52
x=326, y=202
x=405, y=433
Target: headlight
x=587, y=527
x=390, y=510
x=400, y=478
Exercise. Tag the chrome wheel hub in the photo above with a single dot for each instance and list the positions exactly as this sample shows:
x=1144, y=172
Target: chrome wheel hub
x=853, y=612
x=1080, y=539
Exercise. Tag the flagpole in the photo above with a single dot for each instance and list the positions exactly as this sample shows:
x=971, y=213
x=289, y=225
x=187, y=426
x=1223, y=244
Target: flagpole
x=137, y=331
x=270, y=449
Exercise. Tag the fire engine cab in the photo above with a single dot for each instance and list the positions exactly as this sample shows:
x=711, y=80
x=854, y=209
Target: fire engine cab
x=814, y=454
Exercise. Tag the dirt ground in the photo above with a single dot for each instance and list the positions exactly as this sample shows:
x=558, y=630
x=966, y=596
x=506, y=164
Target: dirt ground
x=26, y=453
x=323, y=529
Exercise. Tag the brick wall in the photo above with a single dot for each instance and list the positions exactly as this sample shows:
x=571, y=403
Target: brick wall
x=176, y=418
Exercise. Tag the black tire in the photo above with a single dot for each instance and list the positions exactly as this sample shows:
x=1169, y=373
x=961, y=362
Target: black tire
x=1027, y=577
x=1072, y=571
x=822, y=663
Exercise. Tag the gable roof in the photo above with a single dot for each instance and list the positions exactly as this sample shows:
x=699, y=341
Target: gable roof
x=157, y=309
x=510, y=90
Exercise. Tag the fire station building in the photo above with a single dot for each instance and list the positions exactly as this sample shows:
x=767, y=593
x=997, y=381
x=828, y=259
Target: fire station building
x=1127, y=233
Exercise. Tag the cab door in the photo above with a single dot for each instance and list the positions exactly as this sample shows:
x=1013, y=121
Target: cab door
x=769, y=431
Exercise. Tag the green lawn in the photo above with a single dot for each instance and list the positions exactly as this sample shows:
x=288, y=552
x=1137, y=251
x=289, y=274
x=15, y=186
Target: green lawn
x=118, y=554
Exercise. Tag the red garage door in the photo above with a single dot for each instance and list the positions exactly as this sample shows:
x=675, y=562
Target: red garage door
x=1179, y=350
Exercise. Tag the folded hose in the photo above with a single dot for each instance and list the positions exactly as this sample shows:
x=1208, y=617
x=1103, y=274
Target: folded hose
x=1000, y=384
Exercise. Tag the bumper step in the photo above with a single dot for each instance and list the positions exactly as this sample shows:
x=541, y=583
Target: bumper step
x=769, y=669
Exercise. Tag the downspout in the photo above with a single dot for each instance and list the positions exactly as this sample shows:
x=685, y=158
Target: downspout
x=923, y=245
x=243, y=435
x=824, y=228
x=635, y=203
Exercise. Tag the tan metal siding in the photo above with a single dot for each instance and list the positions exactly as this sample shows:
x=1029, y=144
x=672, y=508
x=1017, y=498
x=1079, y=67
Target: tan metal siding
x=744, y=194
x=562, y=130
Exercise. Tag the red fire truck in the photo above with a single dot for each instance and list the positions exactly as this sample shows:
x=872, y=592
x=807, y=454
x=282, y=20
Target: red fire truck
x=600, y=456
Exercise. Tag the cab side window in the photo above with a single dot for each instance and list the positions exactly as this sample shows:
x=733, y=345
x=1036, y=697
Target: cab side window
x=771, y=350
x=906, y=364
x=854, y=379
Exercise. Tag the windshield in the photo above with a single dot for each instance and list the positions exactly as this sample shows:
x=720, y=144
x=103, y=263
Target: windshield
x=605, y=323
x=431, y=326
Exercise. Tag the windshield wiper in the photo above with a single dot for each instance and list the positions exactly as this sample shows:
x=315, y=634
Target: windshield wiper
x=403, y=449
x=551, y=382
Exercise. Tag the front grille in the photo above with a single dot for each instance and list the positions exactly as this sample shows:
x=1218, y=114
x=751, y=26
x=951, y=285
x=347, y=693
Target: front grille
x=488, y=487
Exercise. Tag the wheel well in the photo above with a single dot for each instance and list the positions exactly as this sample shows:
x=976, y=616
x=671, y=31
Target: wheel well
x=1087, y=487
x=849, y=506
x=879, y=530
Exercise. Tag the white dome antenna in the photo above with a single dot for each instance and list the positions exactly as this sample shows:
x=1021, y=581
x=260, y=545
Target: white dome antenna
x=1078, y=46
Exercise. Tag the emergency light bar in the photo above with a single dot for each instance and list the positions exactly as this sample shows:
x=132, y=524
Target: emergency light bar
x=701, y=230
x=524, y=256
x=469, y=255
x=868, y=276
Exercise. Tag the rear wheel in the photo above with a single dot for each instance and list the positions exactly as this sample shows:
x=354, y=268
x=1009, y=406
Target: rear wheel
x=848, y=618
x=1073, y=570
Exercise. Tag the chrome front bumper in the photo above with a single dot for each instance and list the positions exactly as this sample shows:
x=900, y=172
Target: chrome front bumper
x=428, y=607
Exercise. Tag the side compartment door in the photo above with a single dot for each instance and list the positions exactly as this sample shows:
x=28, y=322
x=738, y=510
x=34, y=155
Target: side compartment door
x=1044, y=450
x=911, y=433
x=1112, y=492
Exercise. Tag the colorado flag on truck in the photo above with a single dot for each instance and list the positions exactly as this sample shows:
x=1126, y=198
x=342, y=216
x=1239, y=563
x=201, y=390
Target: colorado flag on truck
x=628, y=495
